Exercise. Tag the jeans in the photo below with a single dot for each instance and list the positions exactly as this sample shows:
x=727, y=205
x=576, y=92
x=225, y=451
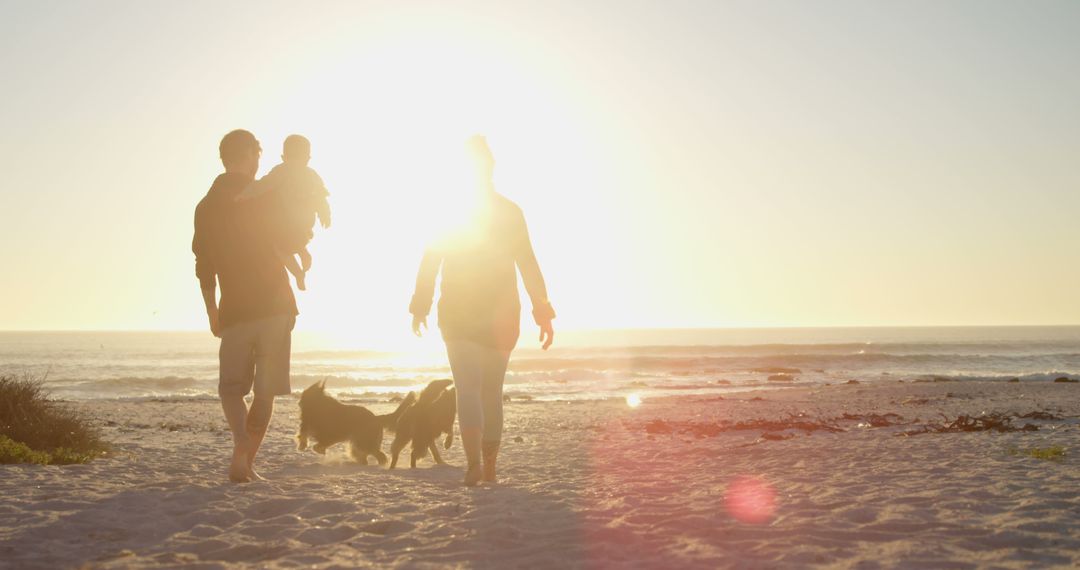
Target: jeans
x=478, y=378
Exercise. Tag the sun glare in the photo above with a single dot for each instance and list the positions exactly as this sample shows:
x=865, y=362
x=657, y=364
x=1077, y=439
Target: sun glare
x=750, y=500
x=387, y=121
x=633, y=400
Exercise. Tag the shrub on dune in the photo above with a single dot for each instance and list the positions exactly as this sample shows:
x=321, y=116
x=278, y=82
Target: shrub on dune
x=35, y=429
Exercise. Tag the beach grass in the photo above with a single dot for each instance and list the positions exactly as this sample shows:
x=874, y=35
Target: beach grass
x=1051, y=453
x=36, y=429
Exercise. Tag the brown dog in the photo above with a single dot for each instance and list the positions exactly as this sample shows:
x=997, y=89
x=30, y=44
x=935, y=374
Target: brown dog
x=422, y=423
x=328, y=422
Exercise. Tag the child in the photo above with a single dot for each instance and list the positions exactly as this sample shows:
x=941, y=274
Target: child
x=303, y=196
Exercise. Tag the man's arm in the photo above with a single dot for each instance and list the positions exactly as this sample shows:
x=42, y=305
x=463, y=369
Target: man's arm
x=207, y=274
x=210, y=300
x=542, y=312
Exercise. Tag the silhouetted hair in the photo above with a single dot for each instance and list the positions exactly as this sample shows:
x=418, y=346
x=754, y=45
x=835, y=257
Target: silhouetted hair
x=296, y=146
x=236, y=144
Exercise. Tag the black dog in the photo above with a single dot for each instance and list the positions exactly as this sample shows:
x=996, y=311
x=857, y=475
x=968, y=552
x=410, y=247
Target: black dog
x=328, y=421
x=422, y=423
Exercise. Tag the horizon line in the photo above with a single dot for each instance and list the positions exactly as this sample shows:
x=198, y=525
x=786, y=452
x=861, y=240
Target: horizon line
x=599, y=329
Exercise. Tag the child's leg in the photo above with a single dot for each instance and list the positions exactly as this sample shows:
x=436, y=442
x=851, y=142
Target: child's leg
x=291, y=264
x=305, y=258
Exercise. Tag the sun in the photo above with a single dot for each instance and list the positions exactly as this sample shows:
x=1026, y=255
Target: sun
x=387, y=121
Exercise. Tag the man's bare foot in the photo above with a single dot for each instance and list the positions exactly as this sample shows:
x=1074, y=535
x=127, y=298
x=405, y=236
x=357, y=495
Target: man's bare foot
x=489, y=451
x=472, y=475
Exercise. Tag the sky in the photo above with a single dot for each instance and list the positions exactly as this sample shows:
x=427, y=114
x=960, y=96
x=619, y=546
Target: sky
x=680, y=164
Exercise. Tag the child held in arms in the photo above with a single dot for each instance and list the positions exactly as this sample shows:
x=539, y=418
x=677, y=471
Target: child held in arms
x=303, y=197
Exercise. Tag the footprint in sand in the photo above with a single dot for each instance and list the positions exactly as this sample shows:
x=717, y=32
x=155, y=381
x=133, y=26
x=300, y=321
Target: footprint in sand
x=275, y=507
x=323, y=508
x=448, y=509
x=861, y=515
x=323, y=536
x=387, y=527
x=204, y=531
x=248, y=553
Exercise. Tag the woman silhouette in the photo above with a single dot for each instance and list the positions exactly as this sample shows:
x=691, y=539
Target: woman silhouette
x=479, y=310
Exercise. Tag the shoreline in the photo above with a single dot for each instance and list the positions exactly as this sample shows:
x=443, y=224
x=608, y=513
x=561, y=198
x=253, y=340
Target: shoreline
x=711, y=387
x=686, y=481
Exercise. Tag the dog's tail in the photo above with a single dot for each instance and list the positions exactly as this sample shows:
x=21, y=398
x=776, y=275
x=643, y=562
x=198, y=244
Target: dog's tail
x=433, y=391
x=389, y=421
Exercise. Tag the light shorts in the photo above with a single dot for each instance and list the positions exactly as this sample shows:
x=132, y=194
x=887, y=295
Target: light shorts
x=256, y=353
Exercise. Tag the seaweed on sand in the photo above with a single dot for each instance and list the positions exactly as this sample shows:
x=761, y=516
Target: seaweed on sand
x=773, y=429
x=997, y=421
x=876, y=420
x=713, y=429
x=1040, y=415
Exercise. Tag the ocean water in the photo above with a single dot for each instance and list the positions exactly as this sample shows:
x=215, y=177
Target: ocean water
x=583, y=365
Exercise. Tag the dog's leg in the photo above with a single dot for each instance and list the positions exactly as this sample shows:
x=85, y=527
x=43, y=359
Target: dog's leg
x=395, y=449
x=418, y=453
x=379, y=456
x=301, y=436
x=449, y=439
x=358, y=455
x=435, y=453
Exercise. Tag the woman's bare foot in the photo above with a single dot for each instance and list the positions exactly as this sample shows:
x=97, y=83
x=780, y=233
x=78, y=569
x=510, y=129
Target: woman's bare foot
x=251, y=470
x=472, y=475
x=239, y=472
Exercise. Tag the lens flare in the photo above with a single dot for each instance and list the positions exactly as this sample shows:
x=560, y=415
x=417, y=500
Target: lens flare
x=750, y=500
x=633, y=400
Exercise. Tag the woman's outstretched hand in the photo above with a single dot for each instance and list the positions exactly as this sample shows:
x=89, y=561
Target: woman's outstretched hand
x=417, y=322
x=547, y=334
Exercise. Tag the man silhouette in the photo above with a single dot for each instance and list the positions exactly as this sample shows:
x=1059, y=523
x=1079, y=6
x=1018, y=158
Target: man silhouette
x=234, y=248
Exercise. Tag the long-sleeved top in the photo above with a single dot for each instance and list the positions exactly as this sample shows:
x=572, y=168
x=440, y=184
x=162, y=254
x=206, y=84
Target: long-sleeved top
x=478, y=297
x=234, y=247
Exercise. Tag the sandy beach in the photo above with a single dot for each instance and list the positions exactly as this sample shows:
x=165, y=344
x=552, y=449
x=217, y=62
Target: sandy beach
x=769, y=479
